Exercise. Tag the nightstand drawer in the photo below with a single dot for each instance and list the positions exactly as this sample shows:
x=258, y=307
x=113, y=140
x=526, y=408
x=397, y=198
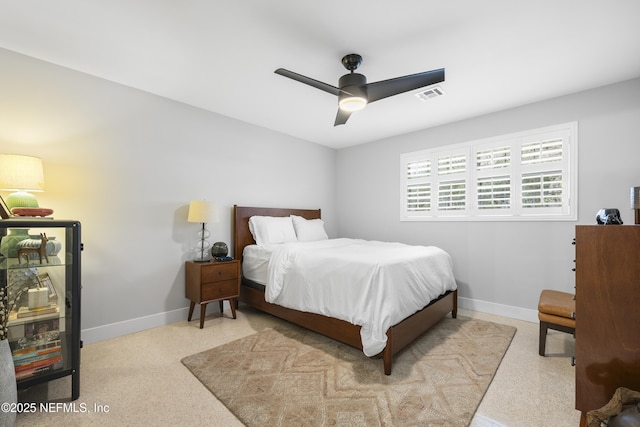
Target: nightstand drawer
x=217, y=272
x=219, y=290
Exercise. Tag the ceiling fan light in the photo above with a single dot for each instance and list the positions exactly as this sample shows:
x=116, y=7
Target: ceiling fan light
x=353, y=103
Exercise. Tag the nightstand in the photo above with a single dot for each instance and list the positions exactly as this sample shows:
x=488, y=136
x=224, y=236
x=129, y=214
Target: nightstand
x=206, y=282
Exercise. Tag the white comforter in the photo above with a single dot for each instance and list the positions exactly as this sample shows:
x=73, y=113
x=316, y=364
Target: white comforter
x=371, y=284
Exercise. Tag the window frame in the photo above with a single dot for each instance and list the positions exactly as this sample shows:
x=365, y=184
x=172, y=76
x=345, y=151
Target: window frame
x=564, y=161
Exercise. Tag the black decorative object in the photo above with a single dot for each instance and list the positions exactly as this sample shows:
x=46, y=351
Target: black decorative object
x=609, y=217
x=219, y=249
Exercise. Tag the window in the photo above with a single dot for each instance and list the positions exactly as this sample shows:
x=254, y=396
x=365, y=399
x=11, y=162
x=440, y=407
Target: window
x=530, y=175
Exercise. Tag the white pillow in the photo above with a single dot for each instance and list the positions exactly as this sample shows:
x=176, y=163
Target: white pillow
x=308, y=230
x=268, y=230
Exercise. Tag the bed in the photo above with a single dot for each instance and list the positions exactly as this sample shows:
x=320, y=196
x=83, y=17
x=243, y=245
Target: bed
x=398, y=335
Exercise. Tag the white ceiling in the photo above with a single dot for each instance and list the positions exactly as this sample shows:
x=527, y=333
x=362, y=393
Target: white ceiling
x=220, y=55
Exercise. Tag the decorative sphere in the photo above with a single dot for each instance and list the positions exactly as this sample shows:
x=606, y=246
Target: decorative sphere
x=219, y=249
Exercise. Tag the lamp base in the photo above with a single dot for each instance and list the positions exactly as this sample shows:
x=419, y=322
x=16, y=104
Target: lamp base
x=203, y=247
x=202, y=252
x=21, y=199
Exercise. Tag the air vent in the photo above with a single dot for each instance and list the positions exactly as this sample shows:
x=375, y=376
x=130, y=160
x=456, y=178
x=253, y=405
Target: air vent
x=433, y=92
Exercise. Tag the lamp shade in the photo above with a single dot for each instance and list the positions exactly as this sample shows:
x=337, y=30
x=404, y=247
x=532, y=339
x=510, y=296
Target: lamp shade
x=200, y=211
x=21, y=173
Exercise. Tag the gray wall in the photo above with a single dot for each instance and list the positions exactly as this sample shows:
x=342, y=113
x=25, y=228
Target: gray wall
x=501, y=267
x=126, y=164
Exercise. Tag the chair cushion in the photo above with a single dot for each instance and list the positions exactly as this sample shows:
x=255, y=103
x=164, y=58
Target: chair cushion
x=556, y=303
x=557, y=320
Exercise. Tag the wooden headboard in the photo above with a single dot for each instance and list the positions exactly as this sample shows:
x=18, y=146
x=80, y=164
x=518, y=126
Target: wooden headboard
x=241, y=214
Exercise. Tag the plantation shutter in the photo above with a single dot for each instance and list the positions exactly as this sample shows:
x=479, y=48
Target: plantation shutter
x=493, y=180
x=418, y=196
x=530, y=175
x=452, y=182
x=542, y=178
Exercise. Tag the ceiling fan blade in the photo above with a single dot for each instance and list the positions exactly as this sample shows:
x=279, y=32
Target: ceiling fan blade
x=308, y=81
x=342, y=117
x=386, y=88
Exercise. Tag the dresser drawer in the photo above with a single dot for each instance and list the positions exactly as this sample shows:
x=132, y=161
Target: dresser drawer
x=219, y=290
x=218, y=272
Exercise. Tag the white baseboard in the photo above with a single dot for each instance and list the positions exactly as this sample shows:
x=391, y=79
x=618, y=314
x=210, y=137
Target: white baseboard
x=118, y=329
x=131, y=326
x=499, y=309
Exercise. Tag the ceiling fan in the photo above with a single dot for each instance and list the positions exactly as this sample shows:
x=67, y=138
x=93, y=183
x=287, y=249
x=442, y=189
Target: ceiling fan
x=354, y=93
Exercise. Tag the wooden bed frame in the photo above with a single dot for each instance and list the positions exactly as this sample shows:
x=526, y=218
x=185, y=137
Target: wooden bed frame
x=398, y=336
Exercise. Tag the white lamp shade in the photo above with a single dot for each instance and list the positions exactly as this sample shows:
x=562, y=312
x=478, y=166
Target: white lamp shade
x=201, y=211
x=21, y=173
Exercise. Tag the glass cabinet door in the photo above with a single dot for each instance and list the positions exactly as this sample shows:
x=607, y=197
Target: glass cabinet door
x=40, y=281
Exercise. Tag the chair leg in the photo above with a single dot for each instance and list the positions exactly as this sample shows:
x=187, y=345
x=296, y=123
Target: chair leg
x=543, y=338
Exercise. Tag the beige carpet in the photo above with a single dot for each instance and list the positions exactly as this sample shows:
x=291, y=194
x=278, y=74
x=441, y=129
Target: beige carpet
x=289, y=376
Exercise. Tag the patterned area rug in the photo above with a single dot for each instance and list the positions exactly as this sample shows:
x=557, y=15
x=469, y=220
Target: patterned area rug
x=289, y=376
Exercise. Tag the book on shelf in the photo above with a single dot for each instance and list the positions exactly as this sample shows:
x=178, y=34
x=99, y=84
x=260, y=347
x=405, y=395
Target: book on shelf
x=36, y=355
x=35, y=371
x=24, y=312
x=18, y=350
x=39, y=363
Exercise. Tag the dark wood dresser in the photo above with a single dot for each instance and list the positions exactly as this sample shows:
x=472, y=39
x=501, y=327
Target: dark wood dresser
x=607, y=313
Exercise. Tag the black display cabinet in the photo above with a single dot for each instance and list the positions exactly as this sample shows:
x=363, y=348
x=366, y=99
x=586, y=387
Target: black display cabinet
x=40, y=270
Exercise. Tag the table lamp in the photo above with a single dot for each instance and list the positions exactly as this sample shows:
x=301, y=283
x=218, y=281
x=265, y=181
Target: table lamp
x=202, y=212
x=21, y=174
